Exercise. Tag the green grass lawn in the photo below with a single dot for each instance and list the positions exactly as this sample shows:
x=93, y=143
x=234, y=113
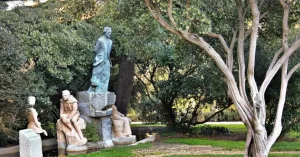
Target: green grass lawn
x=230, y=145
x=235, y=155
x=127, y=151
x=124, y=151
x=233, y=145
x=235, y=128
x=146, y=125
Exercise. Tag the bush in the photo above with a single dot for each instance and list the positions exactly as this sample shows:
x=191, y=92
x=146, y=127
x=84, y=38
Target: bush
x=151, y=113
x=132, y=115
x=208, y=130
x=229, y=115
x=91, y=133
x=3, y=139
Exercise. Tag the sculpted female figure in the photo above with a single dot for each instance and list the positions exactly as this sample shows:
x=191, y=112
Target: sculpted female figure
x=33, y=122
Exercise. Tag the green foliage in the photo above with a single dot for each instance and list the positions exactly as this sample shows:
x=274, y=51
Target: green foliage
x=78, y=10
x=91, y=133
x=50, y=127
x=17, y=83
x=132, y=115
x=229, y=116
x=209, y=130
x=3, y=138
x=40, y=57
x=117, y=151
x=150, y=112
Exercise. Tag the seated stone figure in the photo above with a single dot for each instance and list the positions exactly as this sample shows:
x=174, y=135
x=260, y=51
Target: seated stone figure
x=121, y=124
x=70, y=124
x=33, y=122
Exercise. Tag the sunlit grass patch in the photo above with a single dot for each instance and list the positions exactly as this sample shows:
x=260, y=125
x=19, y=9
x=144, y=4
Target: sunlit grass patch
x=122, y=151
x=237, y=145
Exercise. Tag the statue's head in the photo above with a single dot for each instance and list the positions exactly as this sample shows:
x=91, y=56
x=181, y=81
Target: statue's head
x=31, y=100
x=107, y=31
x=65, y=94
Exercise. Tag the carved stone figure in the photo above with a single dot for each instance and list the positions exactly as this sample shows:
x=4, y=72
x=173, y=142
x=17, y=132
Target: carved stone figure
x=33, y=122
x=102, y=63
x=121, y=124
x=70, y=124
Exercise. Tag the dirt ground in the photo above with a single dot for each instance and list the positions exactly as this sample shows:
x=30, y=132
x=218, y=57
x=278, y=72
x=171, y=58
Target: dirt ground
x=160, y=148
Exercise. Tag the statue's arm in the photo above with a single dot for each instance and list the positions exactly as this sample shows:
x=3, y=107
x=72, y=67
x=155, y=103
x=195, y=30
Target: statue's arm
x=61, y=111
x=74, y=111
x=99, y=53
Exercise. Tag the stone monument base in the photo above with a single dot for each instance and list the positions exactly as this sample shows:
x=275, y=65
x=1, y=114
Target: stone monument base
x=124, y=140
x=95, y=108
x=75, y=148
x=70, y=141
x=30, y=143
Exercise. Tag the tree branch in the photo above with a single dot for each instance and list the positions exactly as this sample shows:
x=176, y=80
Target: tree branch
x=155, y=12
x=208, y=118
x=223, y=42
x=274, y=59
x=277, y=128
x=230, y=55
x=143, y=74
x=261, y=3
x=248, y=32
x=147, y=91
x=297, y=66
x=278, y=65
x=240, y=51
x=251, y=61
x=170, y=10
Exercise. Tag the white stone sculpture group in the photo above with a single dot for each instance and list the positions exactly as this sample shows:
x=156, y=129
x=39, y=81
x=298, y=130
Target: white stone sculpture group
x=96, y=104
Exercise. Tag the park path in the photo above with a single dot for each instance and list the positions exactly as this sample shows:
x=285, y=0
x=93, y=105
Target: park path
x=160, y=148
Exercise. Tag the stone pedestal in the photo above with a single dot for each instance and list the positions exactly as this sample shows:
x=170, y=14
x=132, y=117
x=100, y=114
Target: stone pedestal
x=95, y=108
x=30, y=143
x=70, y=140
x=124, y=140
x=118, y=137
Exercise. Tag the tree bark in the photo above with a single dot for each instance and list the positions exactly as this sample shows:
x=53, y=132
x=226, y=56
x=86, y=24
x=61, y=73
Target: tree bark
x=124, y=84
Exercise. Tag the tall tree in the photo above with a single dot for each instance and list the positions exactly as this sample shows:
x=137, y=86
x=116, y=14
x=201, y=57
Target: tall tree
x=124, y=84
x=251, y=107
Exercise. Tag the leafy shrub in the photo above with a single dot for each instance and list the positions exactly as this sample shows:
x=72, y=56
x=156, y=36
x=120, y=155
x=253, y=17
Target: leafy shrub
x=208, y=130
x=50, y=127
x=151, y=113
x=228, y=115
x=3, y=139
x=132, y=115
x=91, y=133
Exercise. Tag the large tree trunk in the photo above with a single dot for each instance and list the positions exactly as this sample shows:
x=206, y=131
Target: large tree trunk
x=258, y=146
x=124, y=84
x=170, y=117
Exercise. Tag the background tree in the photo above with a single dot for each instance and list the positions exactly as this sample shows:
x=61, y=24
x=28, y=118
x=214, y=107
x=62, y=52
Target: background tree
x=183, y=17
x=42, y=55
x=171, y=80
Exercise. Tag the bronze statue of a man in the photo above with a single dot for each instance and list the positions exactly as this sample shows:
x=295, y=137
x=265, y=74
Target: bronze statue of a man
x=102, y=63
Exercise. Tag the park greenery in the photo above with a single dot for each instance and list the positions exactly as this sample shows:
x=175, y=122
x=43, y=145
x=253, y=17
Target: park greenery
x=48, y=48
